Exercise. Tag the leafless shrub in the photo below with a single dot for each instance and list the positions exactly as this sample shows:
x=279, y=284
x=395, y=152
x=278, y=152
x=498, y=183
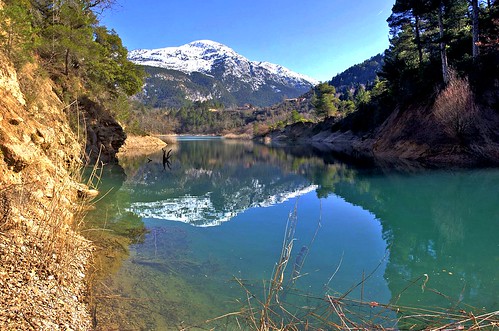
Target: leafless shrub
x=455, y=107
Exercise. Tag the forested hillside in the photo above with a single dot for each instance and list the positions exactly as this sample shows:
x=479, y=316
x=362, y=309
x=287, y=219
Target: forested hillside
x=86, y=61
x=364, y=73
x=166, y=88
x=434, y=41
x=163, y=107
x=437, y=96
x=440, y=52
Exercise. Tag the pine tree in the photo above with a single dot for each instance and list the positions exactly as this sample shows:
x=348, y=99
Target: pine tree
x=325, y=102
x=17, y=35
x=475, y=31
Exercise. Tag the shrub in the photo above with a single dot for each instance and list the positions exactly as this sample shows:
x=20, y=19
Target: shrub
x=455, y=107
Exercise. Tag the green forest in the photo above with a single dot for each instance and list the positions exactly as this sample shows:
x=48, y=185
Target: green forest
x=83, y=58
x=443, y=56
x=363, y=74
x=437, y=49
x=436, y=46
x=433, y=40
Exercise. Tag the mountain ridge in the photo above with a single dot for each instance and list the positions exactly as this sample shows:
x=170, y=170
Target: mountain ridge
x=203, y=55
x=256, y=82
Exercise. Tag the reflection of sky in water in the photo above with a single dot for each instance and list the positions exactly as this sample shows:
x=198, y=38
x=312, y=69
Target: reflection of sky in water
x=429, y=222
x=348, y=238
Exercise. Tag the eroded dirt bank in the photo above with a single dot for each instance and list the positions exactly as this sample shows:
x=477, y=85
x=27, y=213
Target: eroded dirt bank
x=410, y=135
x=43, y=258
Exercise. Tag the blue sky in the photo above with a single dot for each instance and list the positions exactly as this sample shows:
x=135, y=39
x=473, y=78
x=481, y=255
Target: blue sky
x=318, y=38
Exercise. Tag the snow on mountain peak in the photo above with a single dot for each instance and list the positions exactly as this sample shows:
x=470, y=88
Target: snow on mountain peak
x=207, y=44
x=280, y=70
x=206, y=55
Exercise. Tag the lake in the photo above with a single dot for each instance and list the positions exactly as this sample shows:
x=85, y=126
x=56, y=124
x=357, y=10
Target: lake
x=188, y=244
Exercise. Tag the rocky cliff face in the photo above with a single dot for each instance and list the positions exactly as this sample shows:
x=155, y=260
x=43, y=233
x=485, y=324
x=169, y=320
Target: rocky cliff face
x=43, y=258
x=105, y=135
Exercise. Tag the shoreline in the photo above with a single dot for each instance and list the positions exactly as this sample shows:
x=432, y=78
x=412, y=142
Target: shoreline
x=379, y=150
x=140, y=145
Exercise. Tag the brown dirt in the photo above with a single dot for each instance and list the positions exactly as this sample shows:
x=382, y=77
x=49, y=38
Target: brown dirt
x=141, y=145
x=410, y=135
x=43, y=259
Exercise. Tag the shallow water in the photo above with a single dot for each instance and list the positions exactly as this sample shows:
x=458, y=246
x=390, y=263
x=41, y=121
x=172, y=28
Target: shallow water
x=217, y=220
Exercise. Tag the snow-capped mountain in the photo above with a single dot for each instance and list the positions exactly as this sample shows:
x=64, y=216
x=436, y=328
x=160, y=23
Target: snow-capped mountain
x=206, y=70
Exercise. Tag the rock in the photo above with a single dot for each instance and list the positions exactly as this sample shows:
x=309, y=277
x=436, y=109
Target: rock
x=16, y=121
x=105, y=135
x=14, y=156
x=141, y=145
x=86, y=193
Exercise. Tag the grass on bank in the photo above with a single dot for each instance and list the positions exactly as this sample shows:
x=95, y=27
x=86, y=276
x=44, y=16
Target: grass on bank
x=338, y=311
x=44, y=257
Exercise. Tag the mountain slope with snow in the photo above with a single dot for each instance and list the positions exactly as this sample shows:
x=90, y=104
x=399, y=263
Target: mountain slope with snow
x=204, y=70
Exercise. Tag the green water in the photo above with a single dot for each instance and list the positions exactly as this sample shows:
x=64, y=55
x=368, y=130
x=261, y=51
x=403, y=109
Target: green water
x=217, y=218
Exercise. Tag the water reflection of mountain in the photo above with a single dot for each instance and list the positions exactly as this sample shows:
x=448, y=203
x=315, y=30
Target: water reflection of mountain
x=210, y=182
x=442, y=224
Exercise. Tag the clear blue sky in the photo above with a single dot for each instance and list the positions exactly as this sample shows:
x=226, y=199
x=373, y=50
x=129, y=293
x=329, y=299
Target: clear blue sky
x=319, y=38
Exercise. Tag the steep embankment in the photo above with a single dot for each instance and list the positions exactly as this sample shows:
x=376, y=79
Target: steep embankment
x=419, y=134
x=324, y=134
x=43, y=258
x=413, y=134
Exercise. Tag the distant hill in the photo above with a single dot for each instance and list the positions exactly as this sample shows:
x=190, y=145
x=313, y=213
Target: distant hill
x=363, y=73
x=207, y=70
x=360, y=74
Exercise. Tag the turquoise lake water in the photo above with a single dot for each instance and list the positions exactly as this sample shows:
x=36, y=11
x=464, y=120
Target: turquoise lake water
x=216, y=222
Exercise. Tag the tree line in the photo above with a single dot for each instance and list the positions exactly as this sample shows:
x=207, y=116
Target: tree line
x=443, y=54
x=74, y=49
x=431, y=38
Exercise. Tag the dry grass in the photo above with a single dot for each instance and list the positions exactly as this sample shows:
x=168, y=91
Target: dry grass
x=340, y=311
x=44, y=259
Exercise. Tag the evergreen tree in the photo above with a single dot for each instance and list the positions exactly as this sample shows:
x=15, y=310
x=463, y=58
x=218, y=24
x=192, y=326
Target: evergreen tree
x=86, y=60
x=111, y=67
x=425, y=35
x=325, y=101
x=19, y=37
x=362, y=96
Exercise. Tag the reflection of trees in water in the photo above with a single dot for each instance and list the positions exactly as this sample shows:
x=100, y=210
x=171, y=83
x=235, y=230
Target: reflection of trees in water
x=439, y=224
x=109, y=219
x=451, y=221
x=436, y=223
x=112, y=231
x=205, y=166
